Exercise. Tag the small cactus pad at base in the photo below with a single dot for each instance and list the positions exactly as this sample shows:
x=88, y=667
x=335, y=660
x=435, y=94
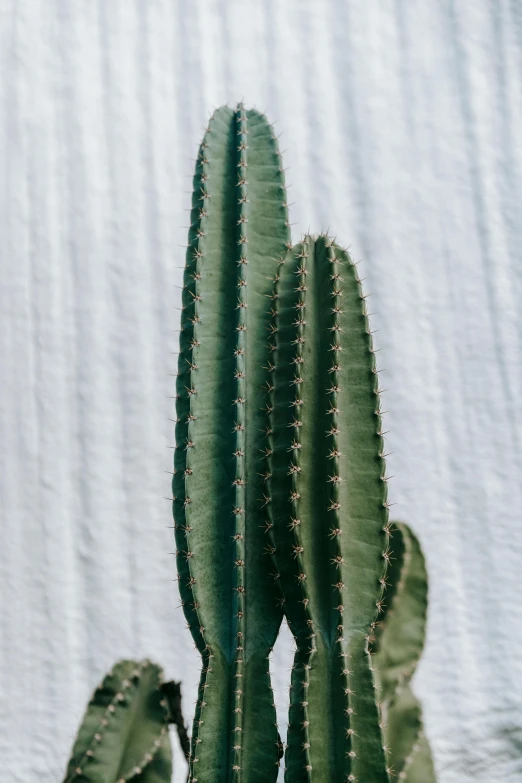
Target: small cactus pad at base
x=239, y=232
x=396, y=649
x=124, y=734
x=328, y=508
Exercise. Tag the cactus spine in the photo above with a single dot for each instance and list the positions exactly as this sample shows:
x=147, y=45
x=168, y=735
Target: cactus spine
x=397, y=647
x=124, y=735
x=239, y=231
x=329, y=513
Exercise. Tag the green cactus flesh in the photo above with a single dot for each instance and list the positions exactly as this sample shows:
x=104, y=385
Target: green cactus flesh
x=397, y=647
x=124, y=735
x=239, y=232
x=327, y=513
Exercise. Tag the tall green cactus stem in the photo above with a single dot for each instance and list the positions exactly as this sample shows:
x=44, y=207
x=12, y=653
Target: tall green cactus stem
x=397, y=647
x=239, y=231
x=124, y=735
x=329, y=513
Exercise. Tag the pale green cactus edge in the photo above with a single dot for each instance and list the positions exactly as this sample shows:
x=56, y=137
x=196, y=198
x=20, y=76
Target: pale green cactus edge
x=396, y=649
x=124, y=735
x=239, y=232
x=329, y=513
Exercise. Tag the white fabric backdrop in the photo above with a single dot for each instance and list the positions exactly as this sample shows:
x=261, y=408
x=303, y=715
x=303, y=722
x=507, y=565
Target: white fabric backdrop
x=401, y=120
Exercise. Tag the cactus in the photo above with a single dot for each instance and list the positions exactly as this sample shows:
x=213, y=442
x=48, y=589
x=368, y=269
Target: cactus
x=239, y=231
x=124, y=735
x=396, y=648
x=279, y=450
x=278, y=460
x=329, y=513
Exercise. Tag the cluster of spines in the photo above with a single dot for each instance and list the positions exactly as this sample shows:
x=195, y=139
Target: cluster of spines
x=399, y=589
x=187, y=391
x=267, y=450
x=295, y=472
x=266, y=466
x=268, y=434
x=239, y=429
x=333, y=508
x=120, y=700
x=267, y=431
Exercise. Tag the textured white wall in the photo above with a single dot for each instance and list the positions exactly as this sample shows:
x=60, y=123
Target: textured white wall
x=401, y=120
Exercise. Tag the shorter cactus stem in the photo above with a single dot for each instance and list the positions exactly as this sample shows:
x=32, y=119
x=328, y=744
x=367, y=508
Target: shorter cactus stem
x=329, y=513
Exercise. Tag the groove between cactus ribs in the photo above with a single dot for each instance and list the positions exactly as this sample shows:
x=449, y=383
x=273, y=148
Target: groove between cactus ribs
x=295, y=473
x=337, y=564
x=239, y=427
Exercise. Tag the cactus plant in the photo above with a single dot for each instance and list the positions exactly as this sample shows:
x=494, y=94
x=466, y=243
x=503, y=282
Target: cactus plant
x=124, y=735
x=328, y=509
x=239, y=231
x=396, y=648
x=278, y=460
x=278, y=436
